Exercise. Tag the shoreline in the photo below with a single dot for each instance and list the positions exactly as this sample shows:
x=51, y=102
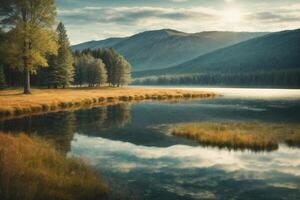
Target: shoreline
x=14, y=104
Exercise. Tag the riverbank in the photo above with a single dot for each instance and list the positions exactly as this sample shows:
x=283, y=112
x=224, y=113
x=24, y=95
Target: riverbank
x=31, y=168
x=14, y=103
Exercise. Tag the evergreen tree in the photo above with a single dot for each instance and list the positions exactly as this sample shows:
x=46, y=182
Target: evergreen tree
x=109, y=58
x=61, y=65
x=2, y=78
x=31, y=37
x=79, y=72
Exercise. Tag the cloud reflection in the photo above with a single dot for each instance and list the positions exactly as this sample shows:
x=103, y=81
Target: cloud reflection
x=180, y=165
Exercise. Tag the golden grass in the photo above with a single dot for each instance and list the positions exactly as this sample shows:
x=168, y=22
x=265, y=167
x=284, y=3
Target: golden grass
x=241, y=135
x=14, y=103
x=30, y=168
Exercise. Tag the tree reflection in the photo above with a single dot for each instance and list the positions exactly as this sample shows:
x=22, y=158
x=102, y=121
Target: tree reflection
x=118, y=116
x=60, y=127
x=90, y=122
x=57, y=127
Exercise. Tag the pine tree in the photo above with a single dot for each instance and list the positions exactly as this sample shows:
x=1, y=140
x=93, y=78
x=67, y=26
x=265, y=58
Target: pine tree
x=61, y=69
x=31, y=37
x=2, y=78
x=79, y=72
x=109, y=58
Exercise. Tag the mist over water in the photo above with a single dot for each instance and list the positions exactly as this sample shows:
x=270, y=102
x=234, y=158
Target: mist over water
x=254, y=93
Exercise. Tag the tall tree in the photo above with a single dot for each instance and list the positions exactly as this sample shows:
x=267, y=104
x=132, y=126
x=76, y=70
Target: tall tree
x=122, y=73
x=96, y=72
x=109, y=58
x=79, y=72
x=31, y=36
x=61, y=68
x=2, y=78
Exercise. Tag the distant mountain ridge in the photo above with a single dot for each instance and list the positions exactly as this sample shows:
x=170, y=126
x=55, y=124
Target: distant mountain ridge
x=280, y=50
x=272, y=59
x=165, y=48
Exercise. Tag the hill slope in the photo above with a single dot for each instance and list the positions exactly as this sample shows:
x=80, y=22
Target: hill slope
x=276, y=53
x=97, y=44
x=165, y=48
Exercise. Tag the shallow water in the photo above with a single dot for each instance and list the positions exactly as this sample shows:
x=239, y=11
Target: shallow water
x=130, y=148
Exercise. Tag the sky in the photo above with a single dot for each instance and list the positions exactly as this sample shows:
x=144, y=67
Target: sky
x=100, y=19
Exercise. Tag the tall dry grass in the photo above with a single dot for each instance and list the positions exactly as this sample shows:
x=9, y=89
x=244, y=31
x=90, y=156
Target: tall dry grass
x=240, y=135
x=13, y=102
x=31, y=169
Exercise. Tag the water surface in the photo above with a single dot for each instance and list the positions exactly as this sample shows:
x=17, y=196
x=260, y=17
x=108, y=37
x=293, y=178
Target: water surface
x=130, y=148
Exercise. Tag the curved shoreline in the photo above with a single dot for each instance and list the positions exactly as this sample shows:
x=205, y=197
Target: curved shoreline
x=14, y=104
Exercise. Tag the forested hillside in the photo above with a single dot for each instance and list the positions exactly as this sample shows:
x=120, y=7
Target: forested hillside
x=165, y=48
x=272, y=59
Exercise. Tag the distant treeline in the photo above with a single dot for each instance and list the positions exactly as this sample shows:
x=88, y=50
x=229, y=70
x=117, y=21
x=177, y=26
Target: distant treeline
x=272, y=79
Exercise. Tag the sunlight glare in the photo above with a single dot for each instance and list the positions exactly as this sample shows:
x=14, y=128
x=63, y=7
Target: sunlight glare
x=232, y=16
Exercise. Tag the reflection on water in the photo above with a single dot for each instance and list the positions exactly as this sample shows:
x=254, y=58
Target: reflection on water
x=61, y=127
x=140, y=161
x=187, y=172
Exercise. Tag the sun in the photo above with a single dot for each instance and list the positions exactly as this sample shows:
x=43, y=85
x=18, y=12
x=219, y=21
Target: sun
x=232, y=16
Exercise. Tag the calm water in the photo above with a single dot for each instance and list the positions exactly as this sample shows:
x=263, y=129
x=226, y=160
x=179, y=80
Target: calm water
x=130, y=148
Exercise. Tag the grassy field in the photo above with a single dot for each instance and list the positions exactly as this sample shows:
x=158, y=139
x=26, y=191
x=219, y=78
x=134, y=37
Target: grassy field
x=240, y=135
x=14, y=103
x=30, y=168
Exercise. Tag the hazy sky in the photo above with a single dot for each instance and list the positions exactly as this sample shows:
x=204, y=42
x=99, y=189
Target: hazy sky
x=98, y=19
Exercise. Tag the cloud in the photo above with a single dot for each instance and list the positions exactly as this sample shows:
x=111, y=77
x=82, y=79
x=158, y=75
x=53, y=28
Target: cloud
x=131, y=15
x=275, y=17
x=96, y=22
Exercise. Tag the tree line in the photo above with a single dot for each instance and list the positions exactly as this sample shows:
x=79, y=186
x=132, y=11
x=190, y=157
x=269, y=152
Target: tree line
x=33, y=52
x=286, y=78
x=114, y=68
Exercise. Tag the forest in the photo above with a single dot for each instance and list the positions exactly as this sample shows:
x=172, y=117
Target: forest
x=287, y=78
x=33, y=52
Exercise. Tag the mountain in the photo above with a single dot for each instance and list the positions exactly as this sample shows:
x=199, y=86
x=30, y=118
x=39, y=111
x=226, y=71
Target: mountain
x=97, y=44
x=165, y=48
x=272, y=60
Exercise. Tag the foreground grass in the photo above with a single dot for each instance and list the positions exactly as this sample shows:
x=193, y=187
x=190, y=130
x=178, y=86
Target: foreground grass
x=14, y=103
x=241, y=135
x=30, y=169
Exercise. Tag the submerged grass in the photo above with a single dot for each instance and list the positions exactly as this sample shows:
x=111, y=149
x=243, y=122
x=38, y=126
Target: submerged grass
x=31, y=169
x=14, y=103
x=241, y=135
